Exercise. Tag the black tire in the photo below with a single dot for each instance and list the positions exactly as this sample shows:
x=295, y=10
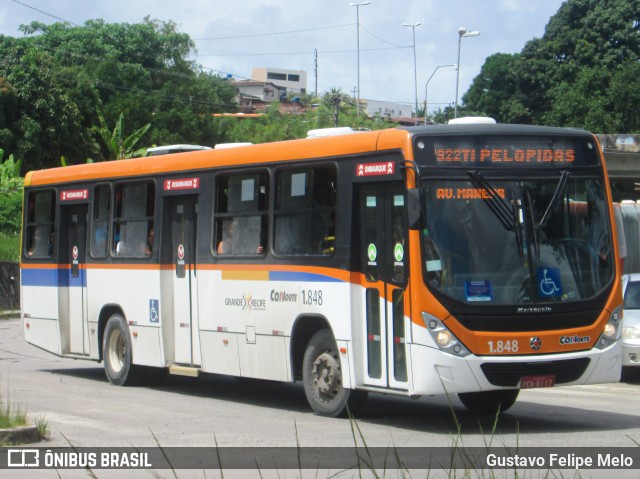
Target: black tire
x=322, y=379
x=489, y=402
x=116, y=351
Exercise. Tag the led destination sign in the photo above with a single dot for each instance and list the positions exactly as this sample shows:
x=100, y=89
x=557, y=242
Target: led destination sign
x=504, y=155
x=506, y=152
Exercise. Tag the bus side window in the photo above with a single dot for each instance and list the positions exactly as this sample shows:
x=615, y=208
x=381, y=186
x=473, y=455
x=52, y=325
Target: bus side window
x=305, y=211
x=133, y=219
x=241, y=214
x=100, y=221
x=40, y=225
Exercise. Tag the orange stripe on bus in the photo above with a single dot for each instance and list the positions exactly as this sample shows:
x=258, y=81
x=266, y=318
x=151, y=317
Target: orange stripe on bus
x=246, y=275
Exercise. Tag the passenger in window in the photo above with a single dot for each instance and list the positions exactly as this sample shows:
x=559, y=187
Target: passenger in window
x=224, y=246
x=149, y=248
x=323, y=225
x=243, y=245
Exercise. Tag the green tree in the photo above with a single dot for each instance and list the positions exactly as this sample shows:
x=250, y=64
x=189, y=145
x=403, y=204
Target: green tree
x=337, y=101
x=495, y=90
x=44, y=121
x=59, y=74
x=582, y=72
x=271, y=126
x=11, y=185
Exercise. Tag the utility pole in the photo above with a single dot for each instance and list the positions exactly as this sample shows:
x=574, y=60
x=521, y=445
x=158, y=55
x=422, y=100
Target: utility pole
x=358, y=5
x=315, y=61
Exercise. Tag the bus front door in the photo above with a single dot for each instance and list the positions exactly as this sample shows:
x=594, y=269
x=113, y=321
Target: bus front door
x=181, y=217
x=384, y=267
x=72, y=252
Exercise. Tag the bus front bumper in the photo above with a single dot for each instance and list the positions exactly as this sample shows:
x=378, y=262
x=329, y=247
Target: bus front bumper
x=452, y=374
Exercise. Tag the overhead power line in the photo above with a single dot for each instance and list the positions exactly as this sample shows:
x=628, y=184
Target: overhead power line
x=382, y=39
x=249, y=35
x=45, y=13
x=239, y=54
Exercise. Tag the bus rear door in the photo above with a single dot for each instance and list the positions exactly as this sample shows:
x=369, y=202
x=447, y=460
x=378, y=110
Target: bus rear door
x=179, y=250
x=384, y=266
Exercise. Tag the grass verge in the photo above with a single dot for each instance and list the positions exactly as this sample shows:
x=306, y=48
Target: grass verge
x=11, y=414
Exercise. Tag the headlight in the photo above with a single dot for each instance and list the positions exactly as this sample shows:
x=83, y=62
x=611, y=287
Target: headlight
x=444, y=338
x=612, y=330
x=630, y=333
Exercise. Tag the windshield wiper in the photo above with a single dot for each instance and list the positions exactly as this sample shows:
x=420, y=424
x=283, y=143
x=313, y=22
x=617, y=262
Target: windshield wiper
x=507, y=216
x=562, y=183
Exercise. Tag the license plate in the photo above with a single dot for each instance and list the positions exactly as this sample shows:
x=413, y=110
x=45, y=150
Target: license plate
x=529, y=382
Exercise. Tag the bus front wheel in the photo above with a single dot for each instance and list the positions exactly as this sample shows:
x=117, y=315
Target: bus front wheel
x=489, y=402
x=322, y=378
x=117, y=353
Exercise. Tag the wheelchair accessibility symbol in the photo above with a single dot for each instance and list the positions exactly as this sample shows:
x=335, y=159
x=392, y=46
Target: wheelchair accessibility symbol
x=154, y=307
x=549, y=282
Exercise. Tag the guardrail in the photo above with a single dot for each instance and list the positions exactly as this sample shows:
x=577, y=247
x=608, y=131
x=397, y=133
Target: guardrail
x=623, y=143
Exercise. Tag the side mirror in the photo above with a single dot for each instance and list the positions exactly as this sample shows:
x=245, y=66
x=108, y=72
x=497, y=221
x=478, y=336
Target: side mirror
x=414, y=209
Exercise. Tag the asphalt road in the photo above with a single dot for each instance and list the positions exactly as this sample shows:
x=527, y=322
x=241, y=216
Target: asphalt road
x=82, y=409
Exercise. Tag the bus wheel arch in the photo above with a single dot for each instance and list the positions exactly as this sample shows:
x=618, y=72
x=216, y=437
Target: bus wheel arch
x=303, y=330
x=322, y=378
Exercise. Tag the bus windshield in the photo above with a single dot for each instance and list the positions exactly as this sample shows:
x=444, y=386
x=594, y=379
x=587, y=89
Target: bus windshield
x=513, y=242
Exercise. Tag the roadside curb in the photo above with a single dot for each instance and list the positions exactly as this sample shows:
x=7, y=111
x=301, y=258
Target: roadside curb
x=19, y=435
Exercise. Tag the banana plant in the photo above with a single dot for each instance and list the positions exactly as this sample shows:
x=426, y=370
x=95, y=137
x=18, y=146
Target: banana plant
x=10, y=179
x=118, y=146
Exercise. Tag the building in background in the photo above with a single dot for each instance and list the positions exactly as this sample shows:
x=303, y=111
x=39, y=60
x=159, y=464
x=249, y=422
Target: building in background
x=254, y=95
x=386, y=109
x=295, y=81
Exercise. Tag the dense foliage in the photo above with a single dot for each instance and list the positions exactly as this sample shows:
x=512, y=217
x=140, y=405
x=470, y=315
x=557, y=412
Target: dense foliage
x=54, y=80
x=584, y=71
x=10, y=194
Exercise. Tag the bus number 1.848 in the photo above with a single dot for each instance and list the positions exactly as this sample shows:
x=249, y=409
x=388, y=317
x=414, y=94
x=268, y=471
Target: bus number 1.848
x=503, y=346
x=312, y=297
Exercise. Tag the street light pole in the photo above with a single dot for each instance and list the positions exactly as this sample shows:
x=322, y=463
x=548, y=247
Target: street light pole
x=358, y=5
x=427, y=85
x=462, y=32
x=415, y=65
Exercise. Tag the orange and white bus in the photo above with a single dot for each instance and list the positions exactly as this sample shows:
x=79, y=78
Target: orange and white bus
x=469, y=259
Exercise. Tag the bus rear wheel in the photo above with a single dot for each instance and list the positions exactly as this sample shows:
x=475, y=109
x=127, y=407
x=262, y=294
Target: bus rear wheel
x=322, y=378
x=117, y=354
x=489, y=402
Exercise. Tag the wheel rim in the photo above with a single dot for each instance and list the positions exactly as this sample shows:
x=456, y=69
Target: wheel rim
x=327, y=378
x=116, y=351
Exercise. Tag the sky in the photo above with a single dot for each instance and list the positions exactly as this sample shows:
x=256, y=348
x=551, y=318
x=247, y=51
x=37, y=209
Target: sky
x=233, y=37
